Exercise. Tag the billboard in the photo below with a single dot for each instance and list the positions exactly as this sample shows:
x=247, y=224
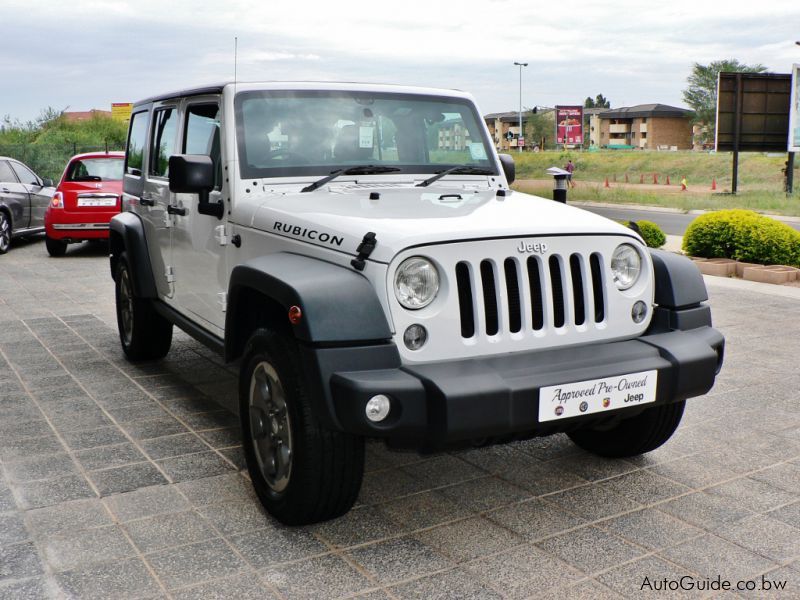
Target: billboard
x=794, y=111
x=569, y=125
x=121, y=111
x=753, y=111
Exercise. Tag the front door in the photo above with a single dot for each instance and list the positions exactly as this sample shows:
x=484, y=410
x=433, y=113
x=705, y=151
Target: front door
x=37, y=194
x=198, y=240
x=14, y=197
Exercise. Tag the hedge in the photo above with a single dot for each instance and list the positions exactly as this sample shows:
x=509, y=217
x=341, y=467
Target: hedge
x=650, y=232
x=743, y=235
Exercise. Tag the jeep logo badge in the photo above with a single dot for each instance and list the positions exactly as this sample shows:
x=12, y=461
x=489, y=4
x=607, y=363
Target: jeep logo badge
x=534, y=247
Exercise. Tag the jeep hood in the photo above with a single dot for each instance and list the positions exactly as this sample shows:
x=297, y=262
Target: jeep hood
x=405, y=217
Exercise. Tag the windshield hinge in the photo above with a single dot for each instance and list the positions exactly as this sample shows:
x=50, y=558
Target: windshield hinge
x=364, y=249
x=221, y=235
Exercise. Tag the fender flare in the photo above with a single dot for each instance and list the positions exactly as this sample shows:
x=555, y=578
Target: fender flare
x=339, y=306
x=678, y=282
x=126, y=234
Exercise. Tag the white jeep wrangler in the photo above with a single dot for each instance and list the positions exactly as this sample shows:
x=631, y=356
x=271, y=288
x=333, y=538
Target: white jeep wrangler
x=357, y=249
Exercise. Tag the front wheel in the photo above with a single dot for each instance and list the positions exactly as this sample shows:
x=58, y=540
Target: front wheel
x=5, y=233
x=640, y=434
x=145, y=335
x=302, y=471
x=55, y=247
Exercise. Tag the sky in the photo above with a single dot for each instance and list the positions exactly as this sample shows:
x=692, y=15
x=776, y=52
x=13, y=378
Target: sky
x=87, y=54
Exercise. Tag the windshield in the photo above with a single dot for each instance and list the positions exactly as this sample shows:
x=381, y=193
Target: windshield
x=95, y=169
x=295, y=133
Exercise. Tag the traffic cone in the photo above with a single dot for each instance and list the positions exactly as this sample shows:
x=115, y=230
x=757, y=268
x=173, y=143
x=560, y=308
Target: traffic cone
x=626, y=178
x=713, y=184
x=641, y=178
x=667, y=183
x=606, y=183
x=655, y=177
x=683, y=184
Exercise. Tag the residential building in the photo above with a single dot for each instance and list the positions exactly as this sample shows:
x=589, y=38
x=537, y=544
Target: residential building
x=644, y=126
x=504, y=129
x=454, y=136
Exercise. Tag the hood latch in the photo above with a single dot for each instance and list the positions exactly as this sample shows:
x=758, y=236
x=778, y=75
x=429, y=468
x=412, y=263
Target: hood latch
x=364, y=249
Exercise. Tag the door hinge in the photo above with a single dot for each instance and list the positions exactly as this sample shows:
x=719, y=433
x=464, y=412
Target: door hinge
x=170, y=275
x=167, y=220
x=221, y=235
x=222, y=299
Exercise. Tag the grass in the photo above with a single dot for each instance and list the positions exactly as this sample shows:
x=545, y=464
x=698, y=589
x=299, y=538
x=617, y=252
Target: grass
x=756, y=170
x=763, y=201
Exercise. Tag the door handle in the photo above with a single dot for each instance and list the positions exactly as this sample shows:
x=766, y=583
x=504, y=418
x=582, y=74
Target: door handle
x=6, y=190
x=174, y=210
x=146, y=201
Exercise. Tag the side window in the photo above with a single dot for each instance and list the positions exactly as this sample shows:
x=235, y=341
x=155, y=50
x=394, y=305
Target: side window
x=6, y=174
x=136, y=139
x=25, y=174
x=162, y=142
x=202, y=136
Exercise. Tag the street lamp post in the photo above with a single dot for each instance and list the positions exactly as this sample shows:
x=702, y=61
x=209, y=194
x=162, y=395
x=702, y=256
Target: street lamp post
x=521, y=134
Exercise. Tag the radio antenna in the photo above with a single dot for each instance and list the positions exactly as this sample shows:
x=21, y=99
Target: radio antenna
x=235, y=58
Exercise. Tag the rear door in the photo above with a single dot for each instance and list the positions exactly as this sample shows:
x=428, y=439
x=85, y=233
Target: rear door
x=38, y=195
x=14, y=197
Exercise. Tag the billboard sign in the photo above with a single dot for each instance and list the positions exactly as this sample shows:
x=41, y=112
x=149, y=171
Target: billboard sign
x=121, y=111
x=794, y=111
x=569, y=125
x=753, y=112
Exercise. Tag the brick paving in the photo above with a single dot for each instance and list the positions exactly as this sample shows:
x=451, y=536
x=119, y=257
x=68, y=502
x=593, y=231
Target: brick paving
x=123, y=481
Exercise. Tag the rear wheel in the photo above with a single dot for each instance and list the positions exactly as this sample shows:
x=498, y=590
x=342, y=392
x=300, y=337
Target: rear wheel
x=145, y=335
x=5, y=233
x=55, y=247
x=643, y=433
x=302, y=472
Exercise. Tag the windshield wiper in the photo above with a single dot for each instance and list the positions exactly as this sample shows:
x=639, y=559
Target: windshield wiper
x=458, y=171
x=357, y=170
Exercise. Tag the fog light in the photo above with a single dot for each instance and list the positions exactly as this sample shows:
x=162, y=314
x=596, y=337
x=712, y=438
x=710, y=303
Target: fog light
x=639, y=312
x=415, y=337
x=377, y=408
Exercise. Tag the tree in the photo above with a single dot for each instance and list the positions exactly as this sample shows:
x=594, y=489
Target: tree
x=701, y=93
x=539, y=126
x=599, y=101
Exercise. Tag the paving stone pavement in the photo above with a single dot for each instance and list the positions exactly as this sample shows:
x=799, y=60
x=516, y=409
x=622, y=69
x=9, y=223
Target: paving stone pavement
x=123, y=481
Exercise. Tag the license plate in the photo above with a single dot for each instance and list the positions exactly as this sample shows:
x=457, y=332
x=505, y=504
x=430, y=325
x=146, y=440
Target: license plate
x=97, y=201
x=596, y=395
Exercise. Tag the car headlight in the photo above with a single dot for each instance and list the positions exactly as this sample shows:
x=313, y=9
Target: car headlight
x=626, y=266
x=416, y=282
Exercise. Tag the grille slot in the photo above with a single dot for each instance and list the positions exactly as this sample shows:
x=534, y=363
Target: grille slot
x=595, y=263
x=576, y=271
x=465, y=303
x=489, y=297
x=512, y=291
x=535, y=294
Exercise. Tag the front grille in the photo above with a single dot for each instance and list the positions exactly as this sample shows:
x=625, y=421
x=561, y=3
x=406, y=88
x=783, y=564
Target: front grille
x=534, y=294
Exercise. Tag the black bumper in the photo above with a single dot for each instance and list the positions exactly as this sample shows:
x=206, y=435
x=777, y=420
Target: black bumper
x=441, y=403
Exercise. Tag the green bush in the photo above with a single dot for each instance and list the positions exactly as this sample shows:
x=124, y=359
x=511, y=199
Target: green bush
x=743, y=235
x=650, y=232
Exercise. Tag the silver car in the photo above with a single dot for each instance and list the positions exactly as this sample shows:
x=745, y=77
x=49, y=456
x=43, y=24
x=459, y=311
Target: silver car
x=24, y=197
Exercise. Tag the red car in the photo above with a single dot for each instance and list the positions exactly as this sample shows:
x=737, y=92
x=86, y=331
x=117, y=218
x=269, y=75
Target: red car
x=88, y=195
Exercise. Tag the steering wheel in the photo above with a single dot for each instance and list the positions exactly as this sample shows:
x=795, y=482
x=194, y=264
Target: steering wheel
x=287, y=155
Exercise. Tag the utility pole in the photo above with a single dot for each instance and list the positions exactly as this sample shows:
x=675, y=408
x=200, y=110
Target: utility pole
x=521, y=132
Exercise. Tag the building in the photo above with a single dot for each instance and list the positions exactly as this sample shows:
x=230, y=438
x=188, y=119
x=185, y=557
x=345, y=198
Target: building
x=86, y=115
x=644, y=126
x=454, y=136
x=504, y=129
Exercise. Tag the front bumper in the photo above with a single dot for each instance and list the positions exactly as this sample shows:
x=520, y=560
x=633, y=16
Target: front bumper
x=437, y=404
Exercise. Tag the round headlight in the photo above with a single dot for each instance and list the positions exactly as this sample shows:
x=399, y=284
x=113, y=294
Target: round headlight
x=626, y=265
x=416, y=282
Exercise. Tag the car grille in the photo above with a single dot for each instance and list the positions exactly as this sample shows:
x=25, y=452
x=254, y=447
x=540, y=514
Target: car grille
x=517, y=295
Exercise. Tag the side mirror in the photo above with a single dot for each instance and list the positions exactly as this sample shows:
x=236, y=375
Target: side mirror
x=509, y=169
x=47, y=182
x=194, y=174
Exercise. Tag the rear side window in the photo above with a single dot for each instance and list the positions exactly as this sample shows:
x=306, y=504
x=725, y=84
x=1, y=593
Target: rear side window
x=165, y=125
x=202, y=136
x=25, y=174
x=6, y=174
x=136, y=140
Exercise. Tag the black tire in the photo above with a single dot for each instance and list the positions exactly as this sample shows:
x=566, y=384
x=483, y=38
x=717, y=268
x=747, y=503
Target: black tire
x=640, y=434
x=55, y=247
x=144, y=334
x=320, y=476
x=5, y=233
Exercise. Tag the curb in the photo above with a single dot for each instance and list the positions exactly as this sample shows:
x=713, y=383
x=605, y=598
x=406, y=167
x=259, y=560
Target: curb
x=664, y=209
